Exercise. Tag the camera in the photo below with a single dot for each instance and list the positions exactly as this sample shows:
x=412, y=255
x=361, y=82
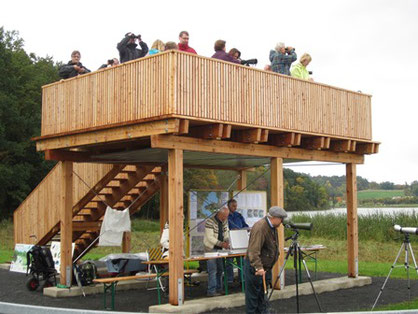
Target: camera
x=298, y=225
x=411, y=230
x=249, y=61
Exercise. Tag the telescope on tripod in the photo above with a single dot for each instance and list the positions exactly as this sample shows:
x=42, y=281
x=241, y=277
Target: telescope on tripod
x=298, y=256
x=406, y=245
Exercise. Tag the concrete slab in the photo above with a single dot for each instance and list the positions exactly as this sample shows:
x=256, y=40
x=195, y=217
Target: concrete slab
x=98, y=288
x=5, y=266
x=238, y=299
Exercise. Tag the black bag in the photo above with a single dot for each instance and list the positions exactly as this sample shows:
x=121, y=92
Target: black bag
x=40, y=266
x=85, y=273
x=39, y=260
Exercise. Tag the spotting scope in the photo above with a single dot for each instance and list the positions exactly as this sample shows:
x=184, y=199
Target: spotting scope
x=298, y=225
x=406, y=229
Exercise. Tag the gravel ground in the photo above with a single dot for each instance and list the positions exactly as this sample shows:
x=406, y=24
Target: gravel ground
x=12, y=289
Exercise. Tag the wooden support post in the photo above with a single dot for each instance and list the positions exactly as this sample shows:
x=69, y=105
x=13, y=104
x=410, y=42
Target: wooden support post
x=126, y=242
x=277, y=199
x=175, y=212
x=163, y=200
x=352, y=220
x=66, y=219
x=242, y=181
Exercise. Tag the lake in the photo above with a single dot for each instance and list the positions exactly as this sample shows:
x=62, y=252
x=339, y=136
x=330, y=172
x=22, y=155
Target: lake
x=360, y=211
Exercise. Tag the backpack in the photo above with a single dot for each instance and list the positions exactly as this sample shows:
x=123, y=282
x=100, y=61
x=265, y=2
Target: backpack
x=85, y=273
x=39, y=260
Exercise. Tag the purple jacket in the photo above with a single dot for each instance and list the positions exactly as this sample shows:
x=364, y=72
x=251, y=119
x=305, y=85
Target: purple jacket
x=222, y=55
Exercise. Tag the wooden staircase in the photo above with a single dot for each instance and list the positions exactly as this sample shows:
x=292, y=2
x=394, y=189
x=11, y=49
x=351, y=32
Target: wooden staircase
x=119, y=187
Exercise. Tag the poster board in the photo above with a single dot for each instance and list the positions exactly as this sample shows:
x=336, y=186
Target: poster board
x=19, y=261
x=202, y=204
x=251, y=204
x=56, y=254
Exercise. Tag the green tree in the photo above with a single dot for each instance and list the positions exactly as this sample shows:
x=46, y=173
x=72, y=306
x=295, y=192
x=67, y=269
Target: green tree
x=21, y=78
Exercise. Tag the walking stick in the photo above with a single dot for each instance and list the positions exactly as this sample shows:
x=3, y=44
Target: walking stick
x=266, y=299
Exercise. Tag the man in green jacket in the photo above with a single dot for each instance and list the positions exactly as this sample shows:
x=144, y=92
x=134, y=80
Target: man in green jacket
x=262, y=254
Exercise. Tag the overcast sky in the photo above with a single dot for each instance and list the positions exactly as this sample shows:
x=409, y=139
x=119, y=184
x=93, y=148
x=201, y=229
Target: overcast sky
x=359, y=45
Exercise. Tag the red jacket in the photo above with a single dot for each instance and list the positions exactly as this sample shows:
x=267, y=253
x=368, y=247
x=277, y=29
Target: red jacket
x=186, y=48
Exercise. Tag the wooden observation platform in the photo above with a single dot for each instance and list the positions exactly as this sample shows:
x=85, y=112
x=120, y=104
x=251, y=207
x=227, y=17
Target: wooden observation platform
x=124, y=133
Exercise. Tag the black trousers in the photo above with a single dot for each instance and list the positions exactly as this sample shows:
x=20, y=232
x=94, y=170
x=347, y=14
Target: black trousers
x=254, y=290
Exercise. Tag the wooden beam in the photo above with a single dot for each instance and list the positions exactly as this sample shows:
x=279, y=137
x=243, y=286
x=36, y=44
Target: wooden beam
x=121, y=133
x=126, y=242
x=247, y=136
x=264, y=136
x=86, y=225
x=277, y=199
x=352, y=220
x=226, y=132
x=184, y=126
x=55, y=154
x=242, y=181
x=208, y=131
x=66, y=218
x=285, y=139
x=341, y=146
x=175, y=208
x=317, y=142
x=365, y=148
x=260, y=150
x=218, y=167
x=163, y=200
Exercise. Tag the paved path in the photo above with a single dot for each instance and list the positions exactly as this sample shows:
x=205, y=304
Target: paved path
x=12, y=289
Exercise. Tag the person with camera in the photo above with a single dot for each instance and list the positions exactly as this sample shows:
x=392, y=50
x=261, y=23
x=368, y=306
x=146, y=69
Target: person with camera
x=220, y=52
x=127, y=48
x=281, y=58
x=110, y=63
x=299, y=70
x=73, y=67
x=184, y=43
x=262, y=254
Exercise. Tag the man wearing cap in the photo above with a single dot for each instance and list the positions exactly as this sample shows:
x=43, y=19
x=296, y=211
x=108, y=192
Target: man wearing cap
x=262, y=254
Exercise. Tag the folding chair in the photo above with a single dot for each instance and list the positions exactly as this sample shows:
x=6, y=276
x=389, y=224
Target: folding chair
x=156, y=254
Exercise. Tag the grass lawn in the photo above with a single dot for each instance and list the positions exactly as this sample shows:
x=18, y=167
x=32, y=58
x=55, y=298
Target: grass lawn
x=408, y=305
x=379, y=194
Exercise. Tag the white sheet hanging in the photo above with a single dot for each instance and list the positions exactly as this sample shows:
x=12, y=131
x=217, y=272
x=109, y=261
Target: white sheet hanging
x=114, y=224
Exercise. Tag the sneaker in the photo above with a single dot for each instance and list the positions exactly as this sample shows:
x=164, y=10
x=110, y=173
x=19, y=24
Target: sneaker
x=215, y=294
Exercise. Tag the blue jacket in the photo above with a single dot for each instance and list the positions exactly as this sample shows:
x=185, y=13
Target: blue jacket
x=236, y=221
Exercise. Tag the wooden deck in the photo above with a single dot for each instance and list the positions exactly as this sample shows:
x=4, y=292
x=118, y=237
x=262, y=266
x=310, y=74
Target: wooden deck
x=202, y=91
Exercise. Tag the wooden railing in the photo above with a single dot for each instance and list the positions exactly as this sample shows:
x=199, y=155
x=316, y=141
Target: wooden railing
x=39, y=212
x=184, y=85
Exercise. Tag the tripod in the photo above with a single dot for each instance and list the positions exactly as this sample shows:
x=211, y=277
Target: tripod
x=298, y=256
x=408, y=248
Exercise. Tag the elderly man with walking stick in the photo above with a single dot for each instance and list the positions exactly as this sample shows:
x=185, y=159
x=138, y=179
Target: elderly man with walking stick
x=262, y=254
